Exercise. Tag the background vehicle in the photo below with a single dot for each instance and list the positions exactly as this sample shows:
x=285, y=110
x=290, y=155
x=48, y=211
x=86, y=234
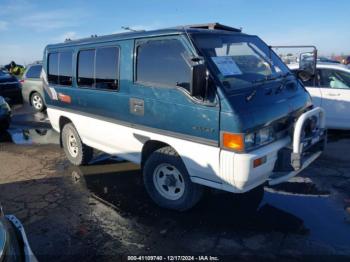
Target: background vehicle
x=201, y=105
x=10, y=88
x=330, y=89
x=320, y=59
x=32, y=88
x=5, y=114
x=327, y=60
x=14, y=244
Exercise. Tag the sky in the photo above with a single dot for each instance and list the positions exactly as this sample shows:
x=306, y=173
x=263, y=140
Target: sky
x=26, y=27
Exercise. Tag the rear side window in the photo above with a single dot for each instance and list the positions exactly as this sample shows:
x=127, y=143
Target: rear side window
x=65, y=68
x=162, y=62
x=34, y=71
x=107, y=63
x=60, y=68
x=98, y=68
x=86, y=64
x=53, y=68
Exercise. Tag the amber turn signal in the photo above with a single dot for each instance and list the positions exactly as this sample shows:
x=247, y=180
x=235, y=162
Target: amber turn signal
x=233, y=141
x=259, y=161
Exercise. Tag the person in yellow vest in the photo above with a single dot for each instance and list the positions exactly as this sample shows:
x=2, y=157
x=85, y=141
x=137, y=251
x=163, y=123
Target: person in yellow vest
x=14, y=69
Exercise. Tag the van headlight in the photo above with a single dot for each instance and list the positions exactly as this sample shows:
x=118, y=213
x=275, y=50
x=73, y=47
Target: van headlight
x=258, y=138
x=239, y=142
x=249, y=140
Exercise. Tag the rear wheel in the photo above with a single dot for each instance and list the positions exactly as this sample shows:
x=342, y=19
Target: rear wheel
x=76, y=151
x=168, y=182
x=37, y=102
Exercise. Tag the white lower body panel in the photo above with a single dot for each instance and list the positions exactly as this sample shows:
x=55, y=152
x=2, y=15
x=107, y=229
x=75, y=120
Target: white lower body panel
x=207, y=165
x=200, y=160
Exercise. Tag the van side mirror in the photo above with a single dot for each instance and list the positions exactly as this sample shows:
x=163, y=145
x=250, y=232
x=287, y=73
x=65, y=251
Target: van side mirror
x=308, y=61
x=199, y=80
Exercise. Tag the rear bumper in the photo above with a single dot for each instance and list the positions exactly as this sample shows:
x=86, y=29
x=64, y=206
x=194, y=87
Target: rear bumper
x=285, y=158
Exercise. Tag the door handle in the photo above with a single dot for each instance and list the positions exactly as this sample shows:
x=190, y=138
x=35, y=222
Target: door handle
x=136, y=106
x=331, y=94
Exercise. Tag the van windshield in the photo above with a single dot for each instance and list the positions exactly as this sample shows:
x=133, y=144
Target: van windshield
x=240, y=60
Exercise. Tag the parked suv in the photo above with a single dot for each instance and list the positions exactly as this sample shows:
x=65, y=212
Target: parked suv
x=203, y=105
x=32, y=88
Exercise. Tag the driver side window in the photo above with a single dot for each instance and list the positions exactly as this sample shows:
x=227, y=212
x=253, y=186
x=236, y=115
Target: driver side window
x=162, y=63
x=330, y=78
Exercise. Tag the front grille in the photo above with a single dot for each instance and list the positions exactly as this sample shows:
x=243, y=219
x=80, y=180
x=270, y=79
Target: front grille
x=283, y=127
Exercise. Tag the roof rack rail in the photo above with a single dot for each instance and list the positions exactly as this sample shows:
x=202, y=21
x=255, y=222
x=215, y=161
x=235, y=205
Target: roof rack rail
x=215, y=26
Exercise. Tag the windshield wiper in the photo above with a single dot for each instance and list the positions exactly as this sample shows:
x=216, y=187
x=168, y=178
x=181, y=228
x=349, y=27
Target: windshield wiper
x=264, y=80
x=260, y=82
x=271, y=78
x=257, y=83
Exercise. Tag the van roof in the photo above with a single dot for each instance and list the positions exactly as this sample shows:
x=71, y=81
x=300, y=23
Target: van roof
x=199, y=28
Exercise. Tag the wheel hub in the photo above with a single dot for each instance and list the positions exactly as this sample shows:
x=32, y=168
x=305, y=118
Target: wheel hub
x=168, y=181
x=72, y=144
x=37, y=102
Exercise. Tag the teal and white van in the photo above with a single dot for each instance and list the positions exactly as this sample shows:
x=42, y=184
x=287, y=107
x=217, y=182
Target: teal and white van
x=195, y=106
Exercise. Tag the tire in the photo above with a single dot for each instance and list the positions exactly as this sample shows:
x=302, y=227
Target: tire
x=37, y=102
x=167, y=181
x=77, y=153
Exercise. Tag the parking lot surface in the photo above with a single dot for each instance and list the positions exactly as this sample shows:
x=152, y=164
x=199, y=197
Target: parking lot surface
x=102, y=211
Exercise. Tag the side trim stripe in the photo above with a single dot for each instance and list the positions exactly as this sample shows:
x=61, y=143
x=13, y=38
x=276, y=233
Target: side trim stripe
x=195, y=139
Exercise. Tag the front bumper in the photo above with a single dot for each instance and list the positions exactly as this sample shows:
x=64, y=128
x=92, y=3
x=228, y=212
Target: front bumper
x=285, y=158
x=304, y=150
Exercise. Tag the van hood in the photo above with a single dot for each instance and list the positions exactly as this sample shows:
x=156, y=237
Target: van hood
x=267, y=103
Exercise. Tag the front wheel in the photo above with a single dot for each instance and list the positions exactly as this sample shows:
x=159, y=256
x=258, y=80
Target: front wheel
x=76, y=151
x=168, y=182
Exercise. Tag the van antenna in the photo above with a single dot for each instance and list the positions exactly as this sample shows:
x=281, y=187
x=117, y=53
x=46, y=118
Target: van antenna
x=128, y=28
